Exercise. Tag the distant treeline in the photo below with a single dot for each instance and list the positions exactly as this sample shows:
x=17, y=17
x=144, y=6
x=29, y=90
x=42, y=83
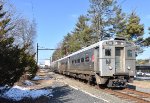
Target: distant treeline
x=104, y=18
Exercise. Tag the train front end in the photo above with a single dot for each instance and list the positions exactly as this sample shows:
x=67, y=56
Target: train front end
x=117, y=62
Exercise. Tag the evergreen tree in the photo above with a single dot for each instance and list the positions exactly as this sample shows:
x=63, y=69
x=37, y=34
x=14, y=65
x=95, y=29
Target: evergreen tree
x=134, y=29
x=3, y=23
x=105, y=19
x=83, y=32
x=80, y=37
x=65, y=46
x=58, y=52
x=101, y=13
x=14, y=60
x=119, y=22
x=146, y=42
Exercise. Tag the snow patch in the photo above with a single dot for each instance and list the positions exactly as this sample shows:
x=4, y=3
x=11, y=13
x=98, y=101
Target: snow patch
x=37, y=78
x=3, y=89
x=28, y=83
x=17, y=93
x=18, y=87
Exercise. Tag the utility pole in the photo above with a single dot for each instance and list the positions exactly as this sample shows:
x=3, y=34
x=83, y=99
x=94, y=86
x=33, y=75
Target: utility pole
x=50, y=60
x=37, y=54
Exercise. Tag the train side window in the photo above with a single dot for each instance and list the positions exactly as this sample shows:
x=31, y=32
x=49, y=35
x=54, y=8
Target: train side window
x=75, y=61
x=129, y=53
x=107, y=52
x=72, y=61
x=82, y=59
x=78, y=60
x=87, y=58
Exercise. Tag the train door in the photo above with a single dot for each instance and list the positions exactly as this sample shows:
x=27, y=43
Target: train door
x=68, y=66
x=96, y=59
x=119, y=59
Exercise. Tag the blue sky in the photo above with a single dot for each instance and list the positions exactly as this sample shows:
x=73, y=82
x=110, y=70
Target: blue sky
x=55, y=18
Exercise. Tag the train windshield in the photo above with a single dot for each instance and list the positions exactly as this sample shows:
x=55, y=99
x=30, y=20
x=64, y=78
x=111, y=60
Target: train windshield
x=107, y=52
x=129, y=53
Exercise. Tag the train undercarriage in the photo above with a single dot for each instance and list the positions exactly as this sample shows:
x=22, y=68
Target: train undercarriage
x=111, y=82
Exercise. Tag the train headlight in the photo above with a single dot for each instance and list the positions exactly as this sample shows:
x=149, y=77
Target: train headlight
x=110, y=68
x=122, y=43
x=129, y=68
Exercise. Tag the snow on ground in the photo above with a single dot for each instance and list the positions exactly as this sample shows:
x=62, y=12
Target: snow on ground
x=2, y=87
x=17, y=93
x=28, y=83
x=37, y=78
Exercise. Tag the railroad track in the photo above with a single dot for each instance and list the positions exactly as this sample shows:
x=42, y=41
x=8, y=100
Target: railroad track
x=130, y=95
x=127, y=94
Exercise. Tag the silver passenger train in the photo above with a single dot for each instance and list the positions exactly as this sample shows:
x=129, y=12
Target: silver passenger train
x=109, y=62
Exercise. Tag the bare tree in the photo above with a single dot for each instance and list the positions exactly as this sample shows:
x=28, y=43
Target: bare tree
x=25, y=33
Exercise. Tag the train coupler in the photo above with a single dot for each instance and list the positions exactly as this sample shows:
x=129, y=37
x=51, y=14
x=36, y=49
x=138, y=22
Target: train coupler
x=117, y=83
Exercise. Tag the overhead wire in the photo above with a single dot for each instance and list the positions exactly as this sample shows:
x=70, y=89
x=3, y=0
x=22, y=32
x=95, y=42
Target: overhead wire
x=32, y=7
x=123, y=1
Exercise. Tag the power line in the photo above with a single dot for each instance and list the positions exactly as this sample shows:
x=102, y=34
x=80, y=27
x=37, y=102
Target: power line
x=32, y=9
x=123, y=1
x=42, y=49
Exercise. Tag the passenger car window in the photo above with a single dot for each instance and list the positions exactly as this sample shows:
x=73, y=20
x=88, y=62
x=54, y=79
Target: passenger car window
x=78, y=60
x=72, y=61
x=82, y=59
x=129, y=53
x=75, y=61
x=86, y=57
x=107, y=52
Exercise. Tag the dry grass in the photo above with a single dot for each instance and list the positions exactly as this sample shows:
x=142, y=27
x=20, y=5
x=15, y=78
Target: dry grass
x=39, y=85
x=42, y=84
x=141, y=84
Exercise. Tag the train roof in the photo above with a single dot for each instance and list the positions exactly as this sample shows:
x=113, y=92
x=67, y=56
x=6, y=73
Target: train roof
x=81, y=50
x=89, y=47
